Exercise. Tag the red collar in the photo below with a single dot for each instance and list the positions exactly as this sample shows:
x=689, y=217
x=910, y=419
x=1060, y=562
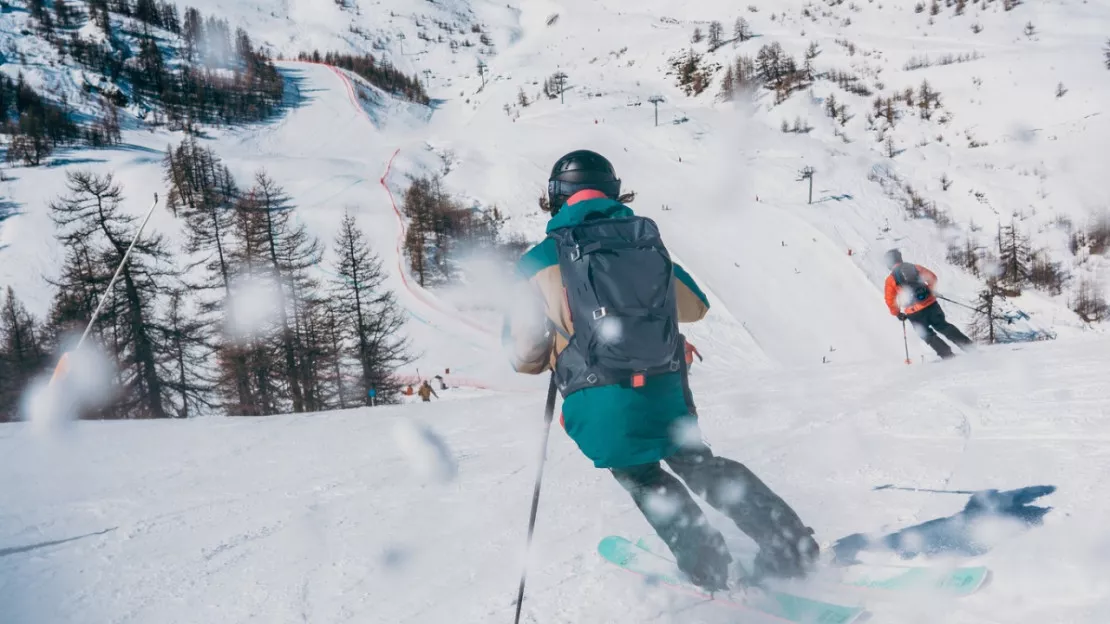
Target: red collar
x=583, y=195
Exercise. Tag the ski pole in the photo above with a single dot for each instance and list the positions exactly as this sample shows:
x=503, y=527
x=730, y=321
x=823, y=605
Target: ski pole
x=119, y=270
x=548, y=416
x=890, y=486
x=906, y=342
x=62, y=362
x=964, y=305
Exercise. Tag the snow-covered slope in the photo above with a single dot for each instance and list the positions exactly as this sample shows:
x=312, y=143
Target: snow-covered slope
x=356, y=517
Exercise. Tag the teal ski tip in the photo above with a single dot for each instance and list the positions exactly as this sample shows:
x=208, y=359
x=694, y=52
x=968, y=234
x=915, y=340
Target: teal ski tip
x=957, y=582
x=777, y=605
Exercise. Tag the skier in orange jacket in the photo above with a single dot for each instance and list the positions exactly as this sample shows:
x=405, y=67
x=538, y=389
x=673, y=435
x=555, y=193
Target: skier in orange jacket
x=912, y=285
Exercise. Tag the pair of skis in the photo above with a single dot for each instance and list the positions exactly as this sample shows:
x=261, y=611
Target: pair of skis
x=650, y=558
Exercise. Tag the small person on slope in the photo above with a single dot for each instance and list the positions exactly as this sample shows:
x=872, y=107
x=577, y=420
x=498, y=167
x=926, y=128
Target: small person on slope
x=426, y=392
x=912, y=285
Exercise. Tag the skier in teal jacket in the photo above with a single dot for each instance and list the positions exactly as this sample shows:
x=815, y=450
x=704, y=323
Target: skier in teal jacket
x=630, y=430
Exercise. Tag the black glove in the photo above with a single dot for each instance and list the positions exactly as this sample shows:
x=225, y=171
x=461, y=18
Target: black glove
x=902, y=316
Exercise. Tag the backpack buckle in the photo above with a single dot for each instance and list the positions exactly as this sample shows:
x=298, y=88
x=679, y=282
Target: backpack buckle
x=600, y=313
x=638, y=380
x=577, y=253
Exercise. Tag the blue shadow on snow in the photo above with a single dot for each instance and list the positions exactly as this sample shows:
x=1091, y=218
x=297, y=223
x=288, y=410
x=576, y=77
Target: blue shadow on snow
x=955, y=534
x=67, y=162
x=834, y=198
x=7, y=209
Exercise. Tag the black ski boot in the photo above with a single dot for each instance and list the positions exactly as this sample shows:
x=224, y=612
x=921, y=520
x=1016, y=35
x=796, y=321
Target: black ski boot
x=788, y=555
x=707, y=564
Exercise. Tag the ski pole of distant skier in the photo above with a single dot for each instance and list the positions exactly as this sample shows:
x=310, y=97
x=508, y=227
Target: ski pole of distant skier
x=63, y=361
x=548, y=416
x=964, y=305
x=906, y=342
x=890, y=486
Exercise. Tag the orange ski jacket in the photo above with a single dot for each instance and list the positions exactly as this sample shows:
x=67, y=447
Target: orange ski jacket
x=892, y=291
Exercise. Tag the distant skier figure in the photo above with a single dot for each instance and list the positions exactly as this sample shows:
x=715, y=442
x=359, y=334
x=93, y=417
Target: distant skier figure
x=605, y=304
x=426, y=392
x=442, y=384
x=913, y=284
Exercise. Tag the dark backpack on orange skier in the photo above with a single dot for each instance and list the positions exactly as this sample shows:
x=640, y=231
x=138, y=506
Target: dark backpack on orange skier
x=907, y=275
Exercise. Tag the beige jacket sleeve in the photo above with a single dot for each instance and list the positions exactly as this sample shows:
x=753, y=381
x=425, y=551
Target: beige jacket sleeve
x=690, y=307
x=527, y=333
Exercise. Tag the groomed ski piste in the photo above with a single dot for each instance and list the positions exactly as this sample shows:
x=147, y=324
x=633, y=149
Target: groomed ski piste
x=354, y=517
x=417, y=513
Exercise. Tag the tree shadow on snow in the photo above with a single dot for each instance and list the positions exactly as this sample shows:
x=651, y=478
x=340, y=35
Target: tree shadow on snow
x=295, y=94
x=70, y=156
x=132, y=147
x=65, y=162
x=8, y=209
x=988, y=517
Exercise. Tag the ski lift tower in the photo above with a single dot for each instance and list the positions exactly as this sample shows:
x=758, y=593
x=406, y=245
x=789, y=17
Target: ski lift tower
x=656, y=99
x=807, y=174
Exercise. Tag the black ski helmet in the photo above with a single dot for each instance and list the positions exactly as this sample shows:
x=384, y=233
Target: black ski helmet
x=577, y=171
x=893, y=258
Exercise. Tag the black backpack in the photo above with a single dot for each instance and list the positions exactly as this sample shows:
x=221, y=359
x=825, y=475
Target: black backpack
x=619, y=283
x=906, y=274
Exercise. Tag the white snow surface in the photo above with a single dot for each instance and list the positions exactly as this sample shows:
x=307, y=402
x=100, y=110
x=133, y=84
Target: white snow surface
x=417, y=513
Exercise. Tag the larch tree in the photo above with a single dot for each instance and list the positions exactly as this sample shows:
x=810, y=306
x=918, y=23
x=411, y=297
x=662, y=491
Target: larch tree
x=205, y=194
x=291, y=251
x=741, y=30
x=987, y=321
x=187, y=371
x=253, y=338
x=370, y=314
x=1014, y=256
x=22, y=353
x=716, y=30
x=90, y=220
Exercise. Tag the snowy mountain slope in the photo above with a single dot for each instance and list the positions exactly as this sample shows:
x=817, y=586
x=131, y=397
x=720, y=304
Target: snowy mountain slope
x=343, y=518
x=713, y=165
x=337, y=169
x=842, y=169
